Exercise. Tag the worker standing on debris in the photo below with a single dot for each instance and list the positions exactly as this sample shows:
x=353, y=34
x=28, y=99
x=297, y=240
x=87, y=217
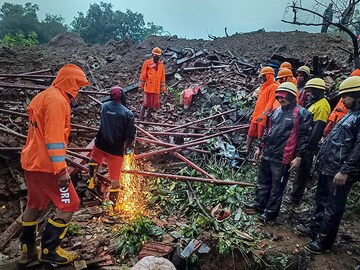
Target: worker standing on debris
x=339, y=110
x=45, y=168
x=320, y=110
x=286, y=137
x=263, y=106
x=339, y=168
x=114, y=139
x=152, y=82
x=287, y=65
x=327, y=18
x=302, y=76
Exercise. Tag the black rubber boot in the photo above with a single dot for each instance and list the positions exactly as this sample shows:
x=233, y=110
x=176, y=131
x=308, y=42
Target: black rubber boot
x=305, y=231
x=28, y=243
x=114, y=194
x=51, y=252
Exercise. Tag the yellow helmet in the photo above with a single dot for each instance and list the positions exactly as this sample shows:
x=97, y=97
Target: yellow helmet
x=315, y=83
x=284, y=72
x=304, y=69
x=286, y=65
x=267, y=70
x=157, y=51
x=288, y=87
x=350, y=85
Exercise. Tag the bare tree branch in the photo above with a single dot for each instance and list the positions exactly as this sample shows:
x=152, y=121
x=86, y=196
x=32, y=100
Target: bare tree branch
x=339, y=25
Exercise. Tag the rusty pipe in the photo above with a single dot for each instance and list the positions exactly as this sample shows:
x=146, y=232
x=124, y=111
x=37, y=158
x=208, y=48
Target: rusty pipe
x=169, y=144
x=192, y=143
x=200, y=120
x=181, y=157
x=188, y=178
x=167, y=125
x=161, y=133
x=26, y=115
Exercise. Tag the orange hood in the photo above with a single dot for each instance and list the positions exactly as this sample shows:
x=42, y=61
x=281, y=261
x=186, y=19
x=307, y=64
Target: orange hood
x=70, y=79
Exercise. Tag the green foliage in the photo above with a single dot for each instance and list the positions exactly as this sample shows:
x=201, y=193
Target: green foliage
x=23, y=20
x=73, y=229
x=174, y=199
x=19, y=40
x=354, y=199
x=133, y=235
x=101, y=23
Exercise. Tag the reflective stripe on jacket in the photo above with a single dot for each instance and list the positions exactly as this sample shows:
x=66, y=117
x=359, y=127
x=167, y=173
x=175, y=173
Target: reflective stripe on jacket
x=286, y=134
x=152, y=80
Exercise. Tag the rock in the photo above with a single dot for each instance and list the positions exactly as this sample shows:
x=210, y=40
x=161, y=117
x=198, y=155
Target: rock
x=153, y=263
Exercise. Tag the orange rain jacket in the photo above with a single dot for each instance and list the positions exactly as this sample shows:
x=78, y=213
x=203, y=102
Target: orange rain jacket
x=49, y=122
x=335, y=116
x=265, y=101
x=152, y=80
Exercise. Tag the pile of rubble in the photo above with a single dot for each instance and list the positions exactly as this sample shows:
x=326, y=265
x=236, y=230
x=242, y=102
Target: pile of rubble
x=225, y=69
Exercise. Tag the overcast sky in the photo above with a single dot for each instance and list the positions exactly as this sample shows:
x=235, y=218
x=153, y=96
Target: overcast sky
x=189, y=18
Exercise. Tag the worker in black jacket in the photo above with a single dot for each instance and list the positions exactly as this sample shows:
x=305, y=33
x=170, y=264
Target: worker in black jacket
x=338, y=166
x=285, y=139
x=114, y=138
x=320, y=111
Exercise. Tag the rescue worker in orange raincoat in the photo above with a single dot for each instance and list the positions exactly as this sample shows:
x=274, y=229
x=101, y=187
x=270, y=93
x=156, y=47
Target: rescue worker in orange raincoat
x=152, y=82
x=263, y=106
x=45, y=168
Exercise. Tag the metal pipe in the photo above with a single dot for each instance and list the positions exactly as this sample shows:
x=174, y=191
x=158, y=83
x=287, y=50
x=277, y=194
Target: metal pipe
x=26, y=115
x=181, y=157
x=36, y=76
x=167, y=150
x=33, y=72
x=188, y=178
x=160, y=133
x=12, y=132
x=200, y=120
x=94, y=99
x=94, y=92
x=192, y=143
x=221, y=133
x=169, y=144
x=167, y=125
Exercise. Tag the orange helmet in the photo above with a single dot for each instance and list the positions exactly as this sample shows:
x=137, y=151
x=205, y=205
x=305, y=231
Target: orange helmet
x=267, y=70
x=286, y=65
x=156, y=51
x=284, y=72
x=356, y=72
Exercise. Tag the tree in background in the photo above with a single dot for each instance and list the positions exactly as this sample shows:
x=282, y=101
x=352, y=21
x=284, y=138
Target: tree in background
x=19, y=21
x=102, y=23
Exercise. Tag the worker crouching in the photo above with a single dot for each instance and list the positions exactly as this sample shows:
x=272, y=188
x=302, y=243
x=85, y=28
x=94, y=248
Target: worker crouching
x=285, y=139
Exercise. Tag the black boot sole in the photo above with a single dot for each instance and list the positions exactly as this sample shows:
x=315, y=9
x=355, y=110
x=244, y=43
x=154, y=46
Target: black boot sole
x=316, y=251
